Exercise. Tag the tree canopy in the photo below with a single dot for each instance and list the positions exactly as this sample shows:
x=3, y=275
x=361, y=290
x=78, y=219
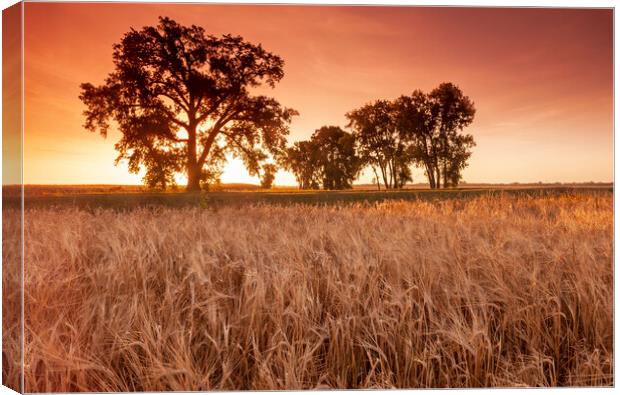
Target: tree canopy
x=382, y=146
x=420, y=129
x=433, y=125
x=182, y=99
x=268, y=176
x=329, y=159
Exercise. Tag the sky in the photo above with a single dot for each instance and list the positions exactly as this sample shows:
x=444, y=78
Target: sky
x=541, y=80
x=11, y=95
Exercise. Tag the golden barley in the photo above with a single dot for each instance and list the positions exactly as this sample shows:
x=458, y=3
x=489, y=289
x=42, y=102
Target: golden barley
x=475, y=292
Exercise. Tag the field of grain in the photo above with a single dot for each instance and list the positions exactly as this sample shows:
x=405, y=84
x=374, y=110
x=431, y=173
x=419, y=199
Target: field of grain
x=502, y=290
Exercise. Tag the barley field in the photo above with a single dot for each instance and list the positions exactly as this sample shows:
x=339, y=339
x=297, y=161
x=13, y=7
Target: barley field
x=484, y=291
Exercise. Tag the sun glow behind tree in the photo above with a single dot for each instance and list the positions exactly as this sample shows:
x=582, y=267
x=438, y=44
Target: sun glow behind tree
x=535, y=104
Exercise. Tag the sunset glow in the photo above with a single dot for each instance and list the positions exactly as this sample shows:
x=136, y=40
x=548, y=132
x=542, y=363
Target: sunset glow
x=327, y=197
x=541, y=80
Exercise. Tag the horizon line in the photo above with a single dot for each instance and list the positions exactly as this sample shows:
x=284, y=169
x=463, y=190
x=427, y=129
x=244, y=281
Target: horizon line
x=362, y=184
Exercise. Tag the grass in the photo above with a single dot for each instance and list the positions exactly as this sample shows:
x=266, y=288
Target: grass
x=128, y=197
x=485, y=289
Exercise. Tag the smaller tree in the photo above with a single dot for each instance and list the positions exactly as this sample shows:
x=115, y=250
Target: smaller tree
x=329, y=159
x=337, y=157
x=210, y=176
x=432, y=125
x=382, y=145
x=454, y=112
x=460, y=152
x=161, y=168
x=416, y=123
x=269, y=175
x=301, y=160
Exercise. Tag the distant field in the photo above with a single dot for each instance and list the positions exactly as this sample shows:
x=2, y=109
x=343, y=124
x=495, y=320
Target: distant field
x=59, y=190
x=495, y=288
x=119, y=196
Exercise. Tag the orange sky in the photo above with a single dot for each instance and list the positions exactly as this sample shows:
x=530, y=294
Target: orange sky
x=541, y=79
x=11, y=95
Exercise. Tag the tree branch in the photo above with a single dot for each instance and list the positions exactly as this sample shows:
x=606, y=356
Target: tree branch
x=237, y=143
x=211, y=109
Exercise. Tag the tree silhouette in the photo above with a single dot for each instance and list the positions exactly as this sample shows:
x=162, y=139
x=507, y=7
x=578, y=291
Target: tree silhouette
x=269, y=175
x=454, y=111
x=416, y=122
x=181, y=100
x=328, y=159
x=382, y=145
x=459, y=152
x=337, y=157
x=432, y=124
x=302, y=160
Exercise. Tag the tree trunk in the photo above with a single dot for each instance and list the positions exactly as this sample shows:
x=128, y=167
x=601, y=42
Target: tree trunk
x=430, y=175
x=438, y=177
x=385, y=180
x=193, y=170
x=376, y=178
x=193, y=179
x=428, y=164
x=395, y=182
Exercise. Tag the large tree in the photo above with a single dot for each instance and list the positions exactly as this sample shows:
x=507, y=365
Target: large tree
x=382, y=145
x=182, y=99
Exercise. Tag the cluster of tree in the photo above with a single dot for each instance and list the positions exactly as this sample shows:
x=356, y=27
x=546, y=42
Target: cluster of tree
x=390, y=137
x=328, y=160
x=424, y=130
x=182, y=100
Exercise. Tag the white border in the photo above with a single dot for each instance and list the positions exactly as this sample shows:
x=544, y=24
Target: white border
x=470, y=3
